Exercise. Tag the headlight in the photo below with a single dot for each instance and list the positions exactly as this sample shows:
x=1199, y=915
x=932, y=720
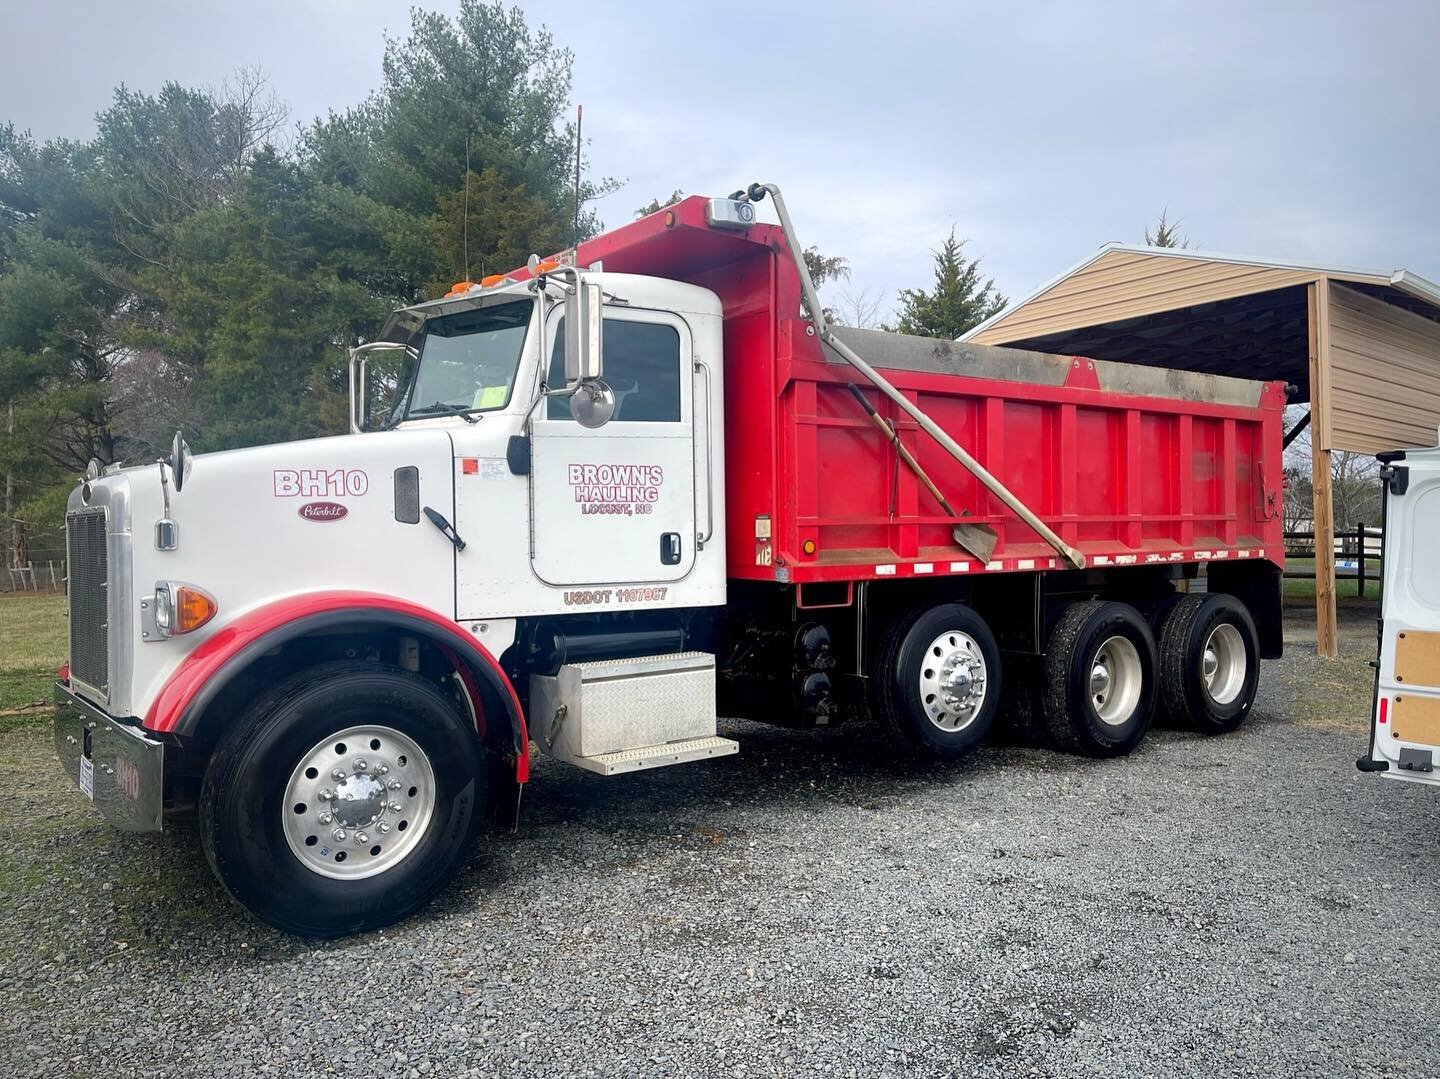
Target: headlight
x=180, y=608
x=164, y=609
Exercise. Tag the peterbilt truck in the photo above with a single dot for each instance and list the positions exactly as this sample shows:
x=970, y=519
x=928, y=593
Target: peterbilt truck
x=619, y=492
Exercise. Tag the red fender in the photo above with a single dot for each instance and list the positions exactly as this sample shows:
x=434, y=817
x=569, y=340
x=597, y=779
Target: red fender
x=201, y=672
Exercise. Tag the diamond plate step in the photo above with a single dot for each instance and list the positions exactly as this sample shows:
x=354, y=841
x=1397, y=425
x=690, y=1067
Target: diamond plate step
x=635, y=760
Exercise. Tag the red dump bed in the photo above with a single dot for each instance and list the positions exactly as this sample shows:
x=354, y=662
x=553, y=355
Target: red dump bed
x=1131, y=464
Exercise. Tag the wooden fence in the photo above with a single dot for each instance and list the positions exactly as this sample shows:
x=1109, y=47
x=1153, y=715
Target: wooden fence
x=43, y=572
x=1358, y=555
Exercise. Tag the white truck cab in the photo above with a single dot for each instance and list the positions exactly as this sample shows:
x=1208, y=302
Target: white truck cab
x=1405, y=721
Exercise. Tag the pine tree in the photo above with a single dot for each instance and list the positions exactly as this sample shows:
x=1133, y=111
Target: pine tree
x=958, y=302
x=1167, y=233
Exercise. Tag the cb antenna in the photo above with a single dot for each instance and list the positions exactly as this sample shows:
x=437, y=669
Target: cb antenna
x=575, y=234
x=465, y=216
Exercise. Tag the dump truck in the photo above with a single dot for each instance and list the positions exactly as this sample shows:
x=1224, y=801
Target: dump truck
x=602, y=499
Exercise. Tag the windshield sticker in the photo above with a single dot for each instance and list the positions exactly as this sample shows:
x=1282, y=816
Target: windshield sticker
x=487, y=468
x=624, y=490
x=320, y=483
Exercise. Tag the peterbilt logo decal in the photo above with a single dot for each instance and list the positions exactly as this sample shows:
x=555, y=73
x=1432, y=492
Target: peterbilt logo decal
x=628, y=490
x=323, y=511
x=320, y=482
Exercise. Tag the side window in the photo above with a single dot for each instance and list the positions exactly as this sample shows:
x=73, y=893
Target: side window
x=642, y=366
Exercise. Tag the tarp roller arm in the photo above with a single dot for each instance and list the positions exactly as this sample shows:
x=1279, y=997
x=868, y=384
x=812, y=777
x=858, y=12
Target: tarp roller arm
x=929, y=426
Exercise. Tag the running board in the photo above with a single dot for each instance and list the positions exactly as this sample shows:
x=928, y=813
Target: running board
x=638, y=760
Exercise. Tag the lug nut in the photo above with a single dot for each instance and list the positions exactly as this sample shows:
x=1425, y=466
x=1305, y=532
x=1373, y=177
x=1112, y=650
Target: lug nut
x=325, y=795
x=382, y=828
x=361, y=838
x=359, y=764
x=394, y=784
x=338, y=835
x=382, y=769
x=326, y=818
x=339, y=773
x=394, y=807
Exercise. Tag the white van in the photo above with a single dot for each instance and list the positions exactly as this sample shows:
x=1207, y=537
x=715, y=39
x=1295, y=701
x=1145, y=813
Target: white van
x=1405, y=716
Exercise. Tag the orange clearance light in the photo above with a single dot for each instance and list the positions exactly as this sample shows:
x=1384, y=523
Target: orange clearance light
x=490, y=280
x=808, y=546
x=669, y=219
x=546, y=267
x=459, y=288
x=193, y=608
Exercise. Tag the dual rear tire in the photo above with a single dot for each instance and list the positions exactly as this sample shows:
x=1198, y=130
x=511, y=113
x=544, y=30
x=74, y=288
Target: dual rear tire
x=1099, y=690
x=936, y=679
x=1107, y=676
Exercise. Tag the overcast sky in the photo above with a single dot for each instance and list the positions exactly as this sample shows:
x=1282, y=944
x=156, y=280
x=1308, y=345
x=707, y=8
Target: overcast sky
x=1300, y=130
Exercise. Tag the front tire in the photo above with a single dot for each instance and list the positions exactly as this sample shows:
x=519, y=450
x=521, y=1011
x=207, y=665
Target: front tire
x=343, y=800
x=1100, y=684
x=936, y=681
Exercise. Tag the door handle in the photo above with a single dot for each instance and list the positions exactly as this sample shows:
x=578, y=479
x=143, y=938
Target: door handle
x=446, y=528
x=670, y=548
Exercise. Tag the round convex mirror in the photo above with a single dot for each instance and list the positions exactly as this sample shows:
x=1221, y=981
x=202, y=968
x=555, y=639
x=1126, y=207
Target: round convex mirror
x=179, y=460
x=592, y=404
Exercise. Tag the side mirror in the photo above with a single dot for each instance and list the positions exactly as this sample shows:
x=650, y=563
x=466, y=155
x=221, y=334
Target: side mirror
x=593, y=404
x=584, y=318
x=179, y=460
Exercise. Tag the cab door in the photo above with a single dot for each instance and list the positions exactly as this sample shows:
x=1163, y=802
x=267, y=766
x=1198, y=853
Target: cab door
x=616, y=504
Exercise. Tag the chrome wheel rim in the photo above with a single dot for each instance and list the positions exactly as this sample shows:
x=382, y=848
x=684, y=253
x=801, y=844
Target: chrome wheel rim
x=953, y=681
x=359, y=802
x=1115, y=680
x=1223, y=664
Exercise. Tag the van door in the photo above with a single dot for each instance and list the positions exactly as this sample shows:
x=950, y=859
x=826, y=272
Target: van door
x=1405, y=739
x=616, y=504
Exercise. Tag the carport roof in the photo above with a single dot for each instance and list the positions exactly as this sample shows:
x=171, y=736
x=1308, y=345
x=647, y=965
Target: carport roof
x=1207, y=311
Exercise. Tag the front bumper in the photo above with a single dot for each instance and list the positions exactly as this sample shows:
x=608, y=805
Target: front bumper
x=119, y=768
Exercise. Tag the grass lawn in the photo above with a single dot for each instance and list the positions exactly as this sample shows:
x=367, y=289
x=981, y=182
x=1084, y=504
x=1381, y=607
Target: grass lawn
x=1346, y=588
x=33, y=643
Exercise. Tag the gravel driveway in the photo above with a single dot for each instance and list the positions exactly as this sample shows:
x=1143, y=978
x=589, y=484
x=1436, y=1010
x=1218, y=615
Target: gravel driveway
x=1250, y=905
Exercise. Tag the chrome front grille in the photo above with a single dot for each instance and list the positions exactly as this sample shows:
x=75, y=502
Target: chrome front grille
x=89, y=599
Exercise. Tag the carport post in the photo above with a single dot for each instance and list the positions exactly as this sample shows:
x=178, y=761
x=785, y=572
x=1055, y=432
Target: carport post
x=1327, y=641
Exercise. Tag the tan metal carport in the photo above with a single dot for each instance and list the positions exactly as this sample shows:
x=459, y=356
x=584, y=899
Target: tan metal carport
x=1362, y=346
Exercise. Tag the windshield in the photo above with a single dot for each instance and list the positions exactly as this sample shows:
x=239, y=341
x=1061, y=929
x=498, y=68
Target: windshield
x=468, y=361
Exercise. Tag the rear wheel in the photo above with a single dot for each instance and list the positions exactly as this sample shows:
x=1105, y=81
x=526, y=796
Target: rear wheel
x=1100, y=684
x=1209, y=669
x=936, y=681
x=343, y=800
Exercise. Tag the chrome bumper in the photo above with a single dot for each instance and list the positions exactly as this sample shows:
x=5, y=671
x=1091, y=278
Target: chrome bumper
x=116, y=766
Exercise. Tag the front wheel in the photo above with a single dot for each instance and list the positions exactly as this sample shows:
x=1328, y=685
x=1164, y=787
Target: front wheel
x=343, y=800
x=936, y=681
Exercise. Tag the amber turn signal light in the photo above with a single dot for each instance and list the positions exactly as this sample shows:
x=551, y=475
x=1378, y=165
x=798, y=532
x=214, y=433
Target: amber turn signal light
x=193, y=608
